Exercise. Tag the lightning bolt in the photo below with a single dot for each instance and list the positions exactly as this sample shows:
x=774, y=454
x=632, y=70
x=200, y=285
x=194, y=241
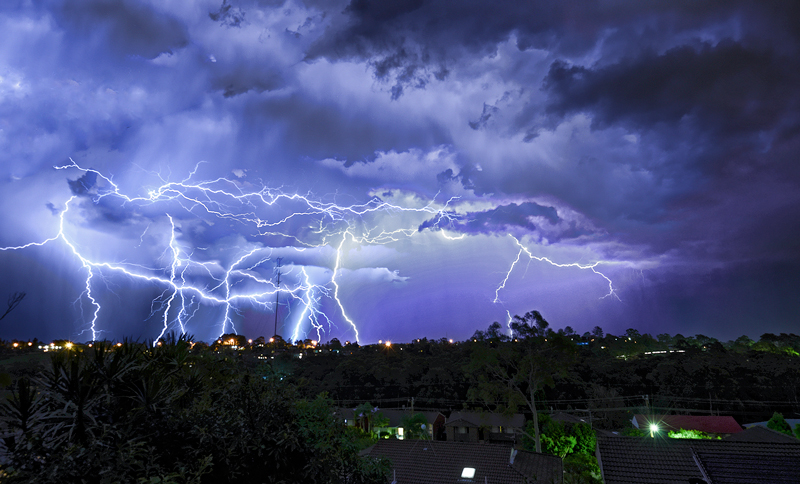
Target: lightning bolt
x=524, y=250
x=192, y=281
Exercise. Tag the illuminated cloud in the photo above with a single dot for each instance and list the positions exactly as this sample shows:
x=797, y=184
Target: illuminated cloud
x=655, y=139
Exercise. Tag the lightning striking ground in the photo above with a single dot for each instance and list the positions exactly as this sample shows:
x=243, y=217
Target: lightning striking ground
x=193, y=282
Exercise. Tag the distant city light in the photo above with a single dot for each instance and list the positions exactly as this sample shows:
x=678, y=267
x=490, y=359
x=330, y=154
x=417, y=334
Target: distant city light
x=388, y=344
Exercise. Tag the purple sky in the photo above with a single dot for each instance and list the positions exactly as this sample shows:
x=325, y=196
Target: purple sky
x=634, y=163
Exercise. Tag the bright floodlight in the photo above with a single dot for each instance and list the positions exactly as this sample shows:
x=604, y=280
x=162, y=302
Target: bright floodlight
x=653, y=428
x=468, y=473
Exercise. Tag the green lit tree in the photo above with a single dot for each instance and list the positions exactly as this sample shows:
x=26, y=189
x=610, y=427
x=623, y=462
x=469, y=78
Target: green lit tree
x=779, y=424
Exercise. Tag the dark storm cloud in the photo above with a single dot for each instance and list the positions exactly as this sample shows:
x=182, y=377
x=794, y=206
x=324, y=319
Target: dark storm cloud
x=727, y=90
x=84, y=184
x=514, y=218
x=128, y=27
x=412, y=42
x=228, y=15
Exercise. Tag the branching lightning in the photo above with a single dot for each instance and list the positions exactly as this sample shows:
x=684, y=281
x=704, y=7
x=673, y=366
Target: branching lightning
x=191, y=281
x=524, y=250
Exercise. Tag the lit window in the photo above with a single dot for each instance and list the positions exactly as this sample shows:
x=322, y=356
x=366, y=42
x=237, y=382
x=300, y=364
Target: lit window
x=468, y=473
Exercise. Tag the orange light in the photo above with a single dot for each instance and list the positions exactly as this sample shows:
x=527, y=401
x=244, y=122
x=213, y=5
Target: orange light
x=272, y=340
x=15, y=345
x=30, y=344
x=388, y=344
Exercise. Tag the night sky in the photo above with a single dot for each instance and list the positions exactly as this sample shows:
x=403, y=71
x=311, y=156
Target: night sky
x=421, y=167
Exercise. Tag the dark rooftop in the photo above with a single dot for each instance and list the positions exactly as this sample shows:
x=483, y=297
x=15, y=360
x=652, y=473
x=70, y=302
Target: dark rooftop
x=760, y=434
x=438, y=462
x=642, y=460
x=489, y=419
x=706, y=423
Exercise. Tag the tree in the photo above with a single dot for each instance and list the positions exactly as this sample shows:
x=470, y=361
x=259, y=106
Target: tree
x=493, y=331
x=13, y=301
x=232, y=339
x=363, y=415
x=597, y=332
x=778, y=423
x=689, y=434
x=585, y=438
x=415, y=426
x=511, y=374
x=125, y=413
x=555, y=439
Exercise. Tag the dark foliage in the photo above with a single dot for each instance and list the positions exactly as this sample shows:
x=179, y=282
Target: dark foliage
x=160, y=414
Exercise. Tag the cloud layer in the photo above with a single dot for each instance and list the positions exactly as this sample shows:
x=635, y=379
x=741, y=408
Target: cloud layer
x=658, y=140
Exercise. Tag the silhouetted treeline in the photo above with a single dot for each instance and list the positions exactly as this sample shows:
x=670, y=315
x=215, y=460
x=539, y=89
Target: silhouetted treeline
x=614, y=376
x=173, y=412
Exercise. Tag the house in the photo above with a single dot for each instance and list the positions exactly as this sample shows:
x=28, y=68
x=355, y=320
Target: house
x=388, y=423
x=439, y=462
x=484, y=426
x=660, y=460
x=710, y=424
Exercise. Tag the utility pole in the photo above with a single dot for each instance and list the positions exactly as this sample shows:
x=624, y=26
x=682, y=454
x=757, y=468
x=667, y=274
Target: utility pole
x=277, y=292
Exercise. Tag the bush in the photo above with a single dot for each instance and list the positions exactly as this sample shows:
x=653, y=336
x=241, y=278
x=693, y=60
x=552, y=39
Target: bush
x=778, y=423
x=581, y=469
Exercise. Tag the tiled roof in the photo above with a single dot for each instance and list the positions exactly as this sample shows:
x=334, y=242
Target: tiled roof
x=460, y=422
x=438, y=462
x=490, y=419
x=705, y=423
x=761, y=434
x=567, y=418
x=643, y=460
x=775, y=467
